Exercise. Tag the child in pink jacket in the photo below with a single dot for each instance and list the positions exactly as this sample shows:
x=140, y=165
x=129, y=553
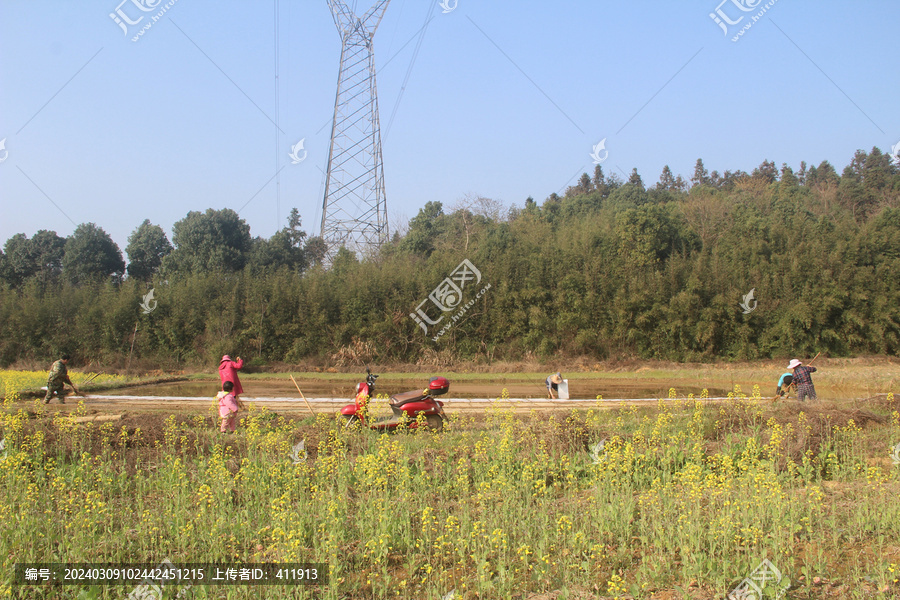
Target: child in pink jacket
x=228, y=408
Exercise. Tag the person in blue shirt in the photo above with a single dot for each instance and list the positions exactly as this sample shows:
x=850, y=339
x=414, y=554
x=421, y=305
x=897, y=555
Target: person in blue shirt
x=784, y=385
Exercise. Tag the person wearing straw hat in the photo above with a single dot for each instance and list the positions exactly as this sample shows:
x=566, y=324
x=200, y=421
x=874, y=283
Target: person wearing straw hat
x=803, y=380
x=553, y=384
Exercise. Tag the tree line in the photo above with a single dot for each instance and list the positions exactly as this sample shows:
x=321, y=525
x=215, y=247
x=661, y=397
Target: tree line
x=612, y=268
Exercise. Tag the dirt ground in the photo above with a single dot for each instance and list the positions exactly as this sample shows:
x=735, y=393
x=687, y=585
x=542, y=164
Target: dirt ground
x=836, y=380
x=319, y=388
x=329, y=396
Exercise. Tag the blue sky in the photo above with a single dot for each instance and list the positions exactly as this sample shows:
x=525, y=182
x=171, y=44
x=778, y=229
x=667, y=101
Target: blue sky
x=504, y=100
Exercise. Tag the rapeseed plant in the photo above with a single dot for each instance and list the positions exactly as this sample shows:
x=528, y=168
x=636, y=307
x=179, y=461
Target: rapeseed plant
x=491, y=510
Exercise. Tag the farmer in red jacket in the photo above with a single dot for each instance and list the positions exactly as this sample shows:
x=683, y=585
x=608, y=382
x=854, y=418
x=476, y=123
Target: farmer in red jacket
x=228, y=372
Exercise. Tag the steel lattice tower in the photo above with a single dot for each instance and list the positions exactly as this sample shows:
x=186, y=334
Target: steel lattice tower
x=354, y=210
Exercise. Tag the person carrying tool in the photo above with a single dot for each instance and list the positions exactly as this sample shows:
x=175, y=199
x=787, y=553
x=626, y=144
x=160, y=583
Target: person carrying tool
x=553, y=382
x=803, y=380
x=56, y=380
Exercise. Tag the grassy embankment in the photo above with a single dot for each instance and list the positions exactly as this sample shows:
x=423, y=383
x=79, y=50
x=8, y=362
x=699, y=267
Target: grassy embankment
x=28, y=384
x=835, y=379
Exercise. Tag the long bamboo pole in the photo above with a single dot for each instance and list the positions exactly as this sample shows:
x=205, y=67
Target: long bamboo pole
x=302, y=396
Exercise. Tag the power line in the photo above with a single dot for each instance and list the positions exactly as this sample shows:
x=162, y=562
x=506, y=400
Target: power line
x=277, y=121
x=428, y=18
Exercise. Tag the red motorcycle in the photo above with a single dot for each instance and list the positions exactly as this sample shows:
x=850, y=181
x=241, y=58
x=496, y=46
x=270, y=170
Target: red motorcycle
x=411, y=404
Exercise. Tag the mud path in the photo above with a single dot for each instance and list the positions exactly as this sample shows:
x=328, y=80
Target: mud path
x=344, y=388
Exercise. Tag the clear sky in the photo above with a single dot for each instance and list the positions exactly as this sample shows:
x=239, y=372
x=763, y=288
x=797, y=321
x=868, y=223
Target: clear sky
x=504, y=100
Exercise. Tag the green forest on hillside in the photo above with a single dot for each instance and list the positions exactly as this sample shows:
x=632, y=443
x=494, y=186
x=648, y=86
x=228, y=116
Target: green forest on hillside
x=611, y=269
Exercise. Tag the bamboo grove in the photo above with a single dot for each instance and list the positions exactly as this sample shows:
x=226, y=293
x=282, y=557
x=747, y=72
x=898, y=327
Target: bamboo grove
x=610, y=269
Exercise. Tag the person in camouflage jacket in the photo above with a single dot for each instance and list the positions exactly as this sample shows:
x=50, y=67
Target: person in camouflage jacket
x=57, y=379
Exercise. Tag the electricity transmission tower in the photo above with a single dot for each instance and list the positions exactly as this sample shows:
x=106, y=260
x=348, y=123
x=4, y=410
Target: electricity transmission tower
x=354, y=211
